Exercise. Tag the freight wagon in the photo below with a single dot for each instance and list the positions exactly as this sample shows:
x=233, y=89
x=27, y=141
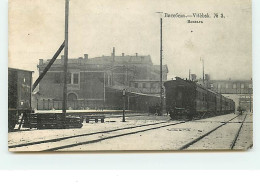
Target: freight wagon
x=19, y=96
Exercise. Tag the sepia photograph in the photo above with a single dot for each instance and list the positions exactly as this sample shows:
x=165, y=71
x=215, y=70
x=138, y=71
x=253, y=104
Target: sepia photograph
x=134, y=75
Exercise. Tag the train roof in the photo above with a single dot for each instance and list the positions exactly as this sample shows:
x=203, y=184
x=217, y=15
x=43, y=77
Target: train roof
x=23, y=70
x=192, y=83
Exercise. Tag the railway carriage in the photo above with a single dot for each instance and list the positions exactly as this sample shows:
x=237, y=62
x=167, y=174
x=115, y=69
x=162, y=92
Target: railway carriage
x=19, y=96
x=186, y=98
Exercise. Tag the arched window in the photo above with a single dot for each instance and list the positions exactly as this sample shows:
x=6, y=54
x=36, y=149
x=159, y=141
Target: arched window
x=72, y=96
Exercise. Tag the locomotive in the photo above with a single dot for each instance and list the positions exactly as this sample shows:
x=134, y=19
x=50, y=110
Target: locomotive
x=185, y=98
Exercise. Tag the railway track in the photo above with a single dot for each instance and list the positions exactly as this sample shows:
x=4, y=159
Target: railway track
x=200, y=138
x=237, y=134
x=95, y=136
x=67, y=142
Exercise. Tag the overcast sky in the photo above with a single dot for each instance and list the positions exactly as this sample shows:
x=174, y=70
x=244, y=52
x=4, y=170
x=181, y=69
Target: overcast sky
x=36, y=30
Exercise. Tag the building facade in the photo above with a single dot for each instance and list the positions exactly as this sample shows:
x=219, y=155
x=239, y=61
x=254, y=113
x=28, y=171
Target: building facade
x=88, y=78
x=231, y=86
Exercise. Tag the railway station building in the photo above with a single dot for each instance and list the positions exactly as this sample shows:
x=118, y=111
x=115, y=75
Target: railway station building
x=93, y=82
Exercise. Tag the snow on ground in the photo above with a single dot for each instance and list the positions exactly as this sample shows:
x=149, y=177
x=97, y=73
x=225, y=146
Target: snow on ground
x=27, y=136
x=166, y=138
x=245, y=138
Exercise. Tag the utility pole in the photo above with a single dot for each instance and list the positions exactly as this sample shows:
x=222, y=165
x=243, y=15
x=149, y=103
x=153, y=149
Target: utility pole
x=113, y=65
x=161, y=84
x=189, y=74
x=64, y=104
x=203, y=78
x=124, y=94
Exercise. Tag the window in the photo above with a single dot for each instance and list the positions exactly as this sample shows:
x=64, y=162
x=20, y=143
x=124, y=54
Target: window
x=57, y=78
x=242, y=86
x=234, y=86
x=136, y=85
x=226, y=86
x=75, y=78
x=72, y=96
x=144, y=85
x=219, y=86
x=68, y=78
x=250, y=86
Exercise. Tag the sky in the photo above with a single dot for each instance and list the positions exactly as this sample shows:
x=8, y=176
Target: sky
x=36, y=30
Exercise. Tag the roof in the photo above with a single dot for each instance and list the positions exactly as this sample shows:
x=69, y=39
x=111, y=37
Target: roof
x=106, y=59
x=15, y=69
x=192, y=83
x=231, y=81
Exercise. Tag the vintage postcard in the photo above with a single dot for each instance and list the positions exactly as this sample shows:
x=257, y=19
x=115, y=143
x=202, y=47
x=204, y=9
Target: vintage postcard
x=135, y=75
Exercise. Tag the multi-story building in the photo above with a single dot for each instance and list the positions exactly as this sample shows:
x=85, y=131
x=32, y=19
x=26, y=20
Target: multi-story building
x=231, y=86
x=88, y=78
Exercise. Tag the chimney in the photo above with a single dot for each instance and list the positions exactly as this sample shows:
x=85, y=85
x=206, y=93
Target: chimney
x=40, y=61
x=193, y=77
x=136, y=54
x=62, y=57
x=86, y=56
x=123, y=54
x=113, y=56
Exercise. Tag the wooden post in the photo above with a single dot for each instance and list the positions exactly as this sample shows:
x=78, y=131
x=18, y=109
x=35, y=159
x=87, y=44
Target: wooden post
x=48, y=104
x=48, y=66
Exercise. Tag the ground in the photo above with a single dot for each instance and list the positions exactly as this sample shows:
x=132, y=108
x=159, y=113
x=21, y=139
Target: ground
x=141, y=132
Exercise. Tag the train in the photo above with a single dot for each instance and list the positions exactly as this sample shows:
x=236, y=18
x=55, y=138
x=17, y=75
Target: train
x=188, y=99
x=19, y=96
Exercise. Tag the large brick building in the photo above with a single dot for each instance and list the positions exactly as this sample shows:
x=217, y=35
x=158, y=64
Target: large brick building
x=89, y=78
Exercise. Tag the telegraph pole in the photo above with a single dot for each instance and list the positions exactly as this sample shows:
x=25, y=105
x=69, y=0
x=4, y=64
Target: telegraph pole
x=124, y=94
x=64, y=104
x=189, y=74
x=203, y=78
x=161, y=84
